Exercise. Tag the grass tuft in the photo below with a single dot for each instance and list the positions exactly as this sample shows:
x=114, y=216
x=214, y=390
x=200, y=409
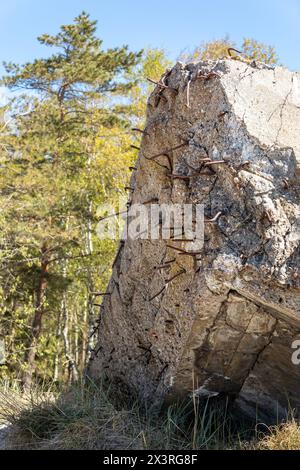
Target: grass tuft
x=285, y=436
x=88, y=417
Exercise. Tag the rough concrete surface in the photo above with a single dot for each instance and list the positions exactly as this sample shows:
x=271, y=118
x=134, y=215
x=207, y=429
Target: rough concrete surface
x=3, y=436
x=224, y=321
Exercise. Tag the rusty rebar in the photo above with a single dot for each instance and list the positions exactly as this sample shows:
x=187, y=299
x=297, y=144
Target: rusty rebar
x=198, y=171
x=191, y=253
x=169, y=161
x=95, y=352
x=156, y=82
x=175, y=275
x=178, y=177
x=182, y=239
x=214, y=219
x=101, y=293
x=268, y=215
x=158, y=293
x=232, y=49
x=170, y=261
x=167, y=282
x=162, y=85
x=244, y=164
x=112, y=215
x=165, y=152
x=214, y=162
x=184, y=252
x=176, y=248
x=285, y=183
x=163, y=266
x=222, y=114
x=122, y=243
x=159, y=164
x=202, y=160
x=95, y=329
x=152, y=200
x=136, y=129
x=207, y=76
x=97, y=293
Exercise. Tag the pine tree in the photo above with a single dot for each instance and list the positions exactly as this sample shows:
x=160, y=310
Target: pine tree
x=46, y=172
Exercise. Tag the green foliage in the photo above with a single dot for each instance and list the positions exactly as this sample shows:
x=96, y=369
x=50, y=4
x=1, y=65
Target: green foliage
x=59, y=164
x=218, y=48
x=210, y=50
x=254, y=50
x=152, y=65
x=65, y=151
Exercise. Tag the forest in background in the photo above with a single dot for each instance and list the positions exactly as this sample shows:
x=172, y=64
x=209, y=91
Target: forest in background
x=68, y=143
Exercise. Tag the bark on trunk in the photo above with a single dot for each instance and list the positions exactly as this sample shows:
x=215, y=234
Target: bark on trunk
x=72, y=371
x=36, y=328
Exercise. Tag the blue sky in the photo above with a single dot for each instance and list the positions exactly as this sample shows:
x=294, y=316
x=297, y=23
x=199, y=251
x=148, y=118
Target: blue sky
x=170, y=24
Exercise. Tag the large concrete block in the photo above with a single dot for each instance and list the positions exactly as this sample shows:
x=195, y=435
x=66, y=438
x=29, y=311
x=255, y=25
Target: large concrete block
x=222, y=322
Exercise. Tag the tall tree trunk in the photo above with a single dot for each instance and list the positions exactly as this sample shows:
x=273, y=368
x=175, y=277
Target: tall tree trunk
x=72, y=370
x=36, y=328
x=58, y=340
x=76, y=336
x=89, y=309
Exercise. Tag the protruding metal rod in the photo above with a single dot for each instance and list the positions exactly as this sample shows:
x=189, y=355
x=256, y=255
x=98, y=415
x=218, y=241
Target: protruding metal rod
x=184, y=252
x=214, y=219
x=222, y=114
x=100, y=293
x=158, y=293
x=94, y=331
x=152, y=200
x=162, y=85
x=156, y=82
x=176, y=275
x=157, y=163
x=165, y=152
x=191, y=253
x=214, y=162
x=232, y=49
x=170, y=261
x=167, y=282
x=136, y=129
x=122, y=243
x=95, y=293
x=163, y=266
x=112, y=215
x=208, y=76
x=179, y=177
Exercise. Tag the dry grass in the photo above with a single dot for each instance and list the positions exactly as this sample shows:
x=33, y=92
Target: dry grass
x=87, y=417
x=285, y=436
